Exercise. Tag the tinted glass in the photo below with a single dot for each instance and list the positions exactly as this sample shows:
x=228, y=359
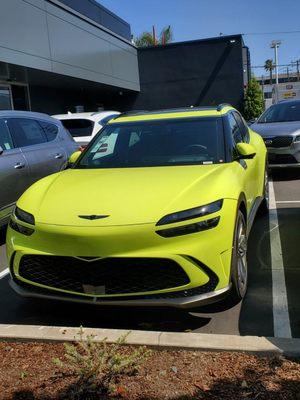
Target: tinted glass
x=78, y=127
x=157, y=143
x=26, y=132
x=50, y=130
x=235, y=129
x=5, y=99
x=282, y=112
x=243, y=127
x=5, y=138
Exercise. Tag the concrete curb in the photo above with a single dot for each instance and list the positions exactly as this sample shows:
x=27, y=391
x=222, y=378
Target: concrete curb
x=187, y=341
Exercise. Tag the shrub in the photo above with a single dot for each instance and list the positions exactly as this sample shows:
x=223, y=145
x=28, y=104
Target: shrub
x=98, y=365
x=253, y=101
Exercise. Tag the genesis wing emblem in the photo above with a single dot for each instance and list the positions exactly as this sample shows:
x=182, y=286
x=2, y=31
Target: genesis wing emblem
x=92, y=217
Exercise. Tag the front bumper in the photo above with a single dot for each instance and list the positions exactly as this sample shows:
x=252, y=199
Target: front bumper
x=181, y=302
x=200, y=255
x=284, y=157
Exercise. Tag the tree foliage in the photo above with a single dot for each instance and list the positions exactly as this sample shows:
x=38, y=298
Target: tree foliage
x=253, y=101
x=269, y=67
x=147, y=39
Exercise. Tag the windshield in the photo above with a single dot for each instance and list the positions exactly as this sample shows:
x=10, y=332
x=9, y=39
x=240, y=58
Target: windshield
x=282, y=112
x=156, y=143
x=78, y=127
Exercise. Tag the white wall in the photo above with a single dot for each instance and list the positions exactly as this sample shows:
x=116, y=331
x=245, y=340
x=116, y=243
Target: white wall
x=38, y=34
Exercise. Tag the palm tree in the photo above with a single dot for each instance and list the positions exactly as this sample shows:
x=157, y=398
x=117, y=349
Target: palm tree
x=147, y=39
x=269, y=66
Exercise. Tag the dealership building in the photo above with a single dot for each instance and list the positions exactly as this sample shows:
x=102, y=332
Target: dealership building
x=67, y=55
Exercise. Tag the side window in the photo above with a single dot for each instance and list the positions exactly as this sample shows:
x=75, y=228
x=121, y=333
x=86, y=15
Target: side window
x=235, y=129
x=5, y=138
x=26, y=132
x=50, y=130
x=243, y=127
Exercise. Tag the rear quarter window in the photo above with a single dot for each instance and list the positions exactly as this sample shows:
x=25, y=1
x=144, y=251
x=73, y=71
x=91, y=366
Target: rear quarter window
x=78, y=127
x=51, y=130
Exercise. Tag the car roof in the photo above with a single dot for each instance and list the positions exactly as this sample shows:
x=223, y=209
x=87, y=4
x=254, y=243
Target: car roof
x=92, y=115
x=26, y=114
x=287, y=102
x=142, y=115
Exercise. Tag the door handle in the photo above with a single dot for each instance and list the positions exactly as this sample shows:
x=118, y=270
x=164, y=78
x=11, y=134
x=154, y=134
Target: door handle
x=19, y=165
x=58, y=155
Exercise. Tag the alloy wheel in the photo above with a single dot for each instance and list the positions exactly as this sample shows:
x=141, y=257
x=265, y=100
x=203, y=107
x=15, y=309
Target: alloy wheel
x=242, y=270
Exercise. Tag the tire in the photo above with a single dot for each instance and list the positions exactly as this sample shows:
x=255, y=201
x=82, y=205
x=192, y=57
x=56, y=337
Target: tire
x=239, y=269
x=264, y=206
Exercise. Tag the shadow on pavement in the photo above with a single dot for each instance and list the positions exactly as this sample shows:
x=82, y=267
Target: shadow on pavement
x=16, y=310
x=285, y=174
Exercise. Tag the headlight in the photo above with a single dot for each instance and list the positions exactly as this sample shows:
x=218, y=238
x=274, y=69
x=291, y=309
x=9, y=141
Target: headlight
x=190, y=228
x=297, y=139
x=24, y=216
x=191, y=213
x=20, y=228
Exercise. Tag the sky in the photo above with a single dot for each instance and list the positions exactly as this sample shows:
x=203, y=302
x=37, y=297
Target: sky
x=197, y=19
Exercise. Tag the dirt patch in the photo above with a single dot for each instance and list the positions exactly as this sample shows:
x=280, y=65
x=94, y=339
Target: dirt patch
x=27, y=372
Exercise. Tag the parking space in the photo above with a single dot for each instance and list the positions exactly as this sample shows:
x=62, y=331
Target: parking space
x=274, y=276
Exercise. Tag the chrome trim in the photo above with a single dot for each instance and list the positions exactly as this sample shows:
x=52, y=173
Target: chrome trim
x=184, y=303
x=295, y=165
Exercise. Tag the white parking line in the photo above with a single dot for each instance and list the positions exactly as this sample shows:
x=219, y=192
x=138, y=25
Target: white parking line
x=281, y=319
x=287, y=201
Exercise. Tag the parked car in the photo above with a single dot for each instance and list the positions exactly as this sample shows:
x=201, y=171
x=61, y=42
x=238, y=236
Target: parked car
x=279, y=126
x=32, y=145
x=84, y=126
x=161, y=220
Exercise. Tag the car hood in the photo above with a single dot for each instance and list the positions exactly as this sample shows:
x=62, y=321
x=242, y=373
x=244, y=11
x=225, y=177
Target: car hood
x=277, y=128
x=126, y=195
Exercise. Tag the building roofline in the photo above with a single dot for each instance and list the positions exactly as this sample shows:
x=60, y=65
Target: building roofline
x=224, y=38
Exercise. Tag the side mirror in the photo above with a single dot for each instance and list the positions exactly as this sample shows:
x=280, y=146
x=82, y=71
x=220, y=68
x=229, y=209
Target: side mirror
x=245, y=151
x=252, y=121
x=74, y=157
x=1, y=150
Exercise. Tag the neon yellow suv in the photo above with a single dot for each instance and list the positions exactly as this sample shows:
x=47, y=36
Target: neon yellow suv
x=156, y=211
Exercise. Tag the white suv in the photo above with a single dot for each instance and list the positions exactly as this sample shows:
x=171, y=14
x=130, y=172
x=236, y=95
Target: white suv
x=84, y=126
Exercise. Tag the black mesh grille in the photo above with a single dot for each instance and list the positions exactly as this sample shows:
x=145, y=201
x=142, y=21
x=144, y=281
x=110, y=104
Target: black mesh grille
x=105, y=276
x=279, y=141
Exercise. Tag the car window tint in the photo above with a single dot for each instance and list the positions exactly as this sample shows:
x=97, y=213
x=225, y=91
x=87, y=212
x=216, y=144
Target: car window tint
x=50, y=130
x=235, y=129
x=78, y=127
x=157, y=143
x=243, y=127
x=5, y=138
x=281, y=112
x=26, y=132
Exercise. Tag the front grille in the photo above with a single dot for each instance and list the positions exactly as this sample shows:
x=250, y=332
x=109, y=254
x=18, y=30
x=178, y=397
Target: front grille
x=105, y=276
x=279, y=141
x=281, y=159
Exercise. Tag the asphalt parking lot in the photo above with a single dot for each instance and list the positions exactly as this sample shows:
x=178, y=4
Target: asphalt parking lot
x=271, y=307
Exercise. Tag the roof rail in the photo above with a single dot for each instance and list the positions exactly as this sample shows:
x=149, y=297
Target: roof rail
x=222, y=105
x=132, y=112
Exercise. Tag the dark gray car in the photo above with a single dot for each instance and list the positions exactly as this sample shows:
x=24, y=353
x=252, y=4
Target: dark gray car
x=279, y=126
x=32, y=146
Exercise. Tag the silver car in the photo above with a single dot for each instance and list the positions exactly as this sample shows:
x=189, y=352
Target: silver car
x=32, y=145
x=279, y=126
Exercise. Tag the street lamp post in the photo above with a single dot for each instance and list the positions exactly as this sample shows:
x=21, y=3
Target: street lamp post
x=274, y=45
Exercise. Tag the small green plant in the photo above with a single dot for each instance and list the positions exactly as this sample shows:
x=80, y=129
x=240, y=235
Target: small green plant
x=23, y=375
x=98, y=365
x=253, y=101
